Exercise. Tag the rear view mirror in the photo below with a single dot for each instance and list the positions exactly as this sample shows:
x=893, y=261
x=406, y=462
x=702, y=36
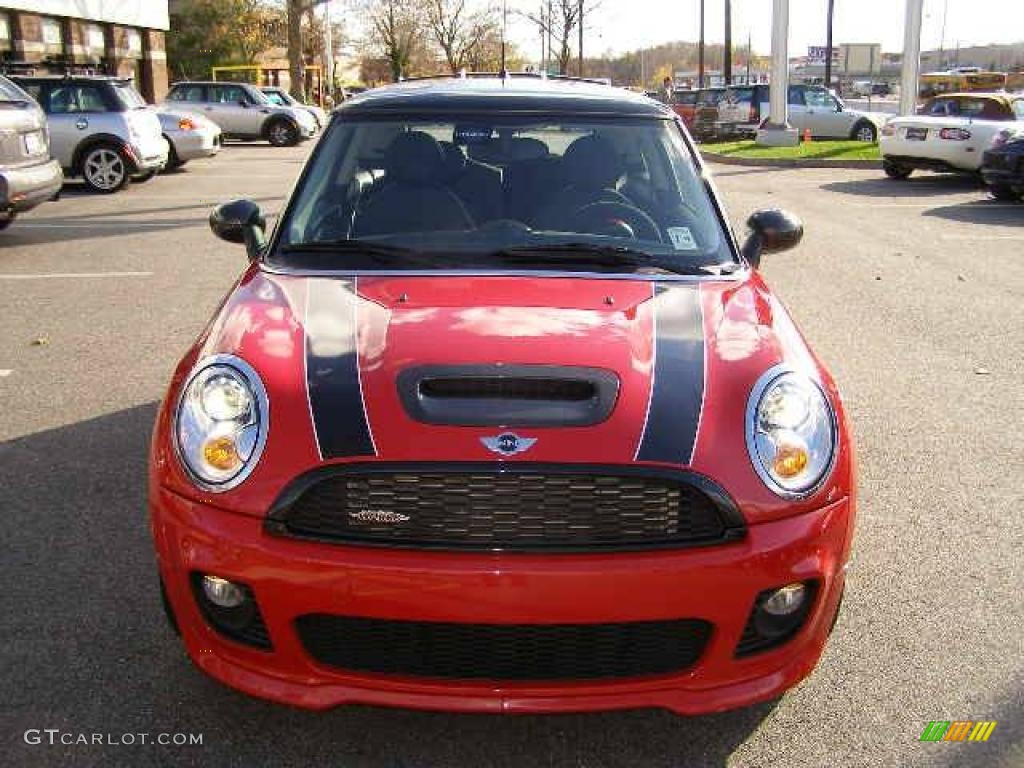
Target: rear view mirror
x=240, y=221
x=771, y=230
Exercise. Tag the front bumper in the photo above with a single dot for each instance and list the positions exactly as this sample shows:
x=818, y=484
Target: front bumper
x=22, y=189
x=291, y=578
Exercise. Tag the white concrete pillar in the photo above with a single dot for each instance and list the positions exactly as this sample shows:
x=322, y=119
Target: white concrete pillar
x=778, y=132
x=911, y=56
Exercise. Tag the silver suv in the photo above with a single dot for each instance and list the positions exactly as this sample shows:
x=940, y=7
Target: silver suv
x=28, y=176
x=100, y=129
x=243, y=112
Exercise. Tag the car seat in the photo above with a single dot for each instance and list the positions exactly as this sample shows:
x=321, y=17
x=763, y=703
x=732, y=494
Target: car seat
x=414, y=197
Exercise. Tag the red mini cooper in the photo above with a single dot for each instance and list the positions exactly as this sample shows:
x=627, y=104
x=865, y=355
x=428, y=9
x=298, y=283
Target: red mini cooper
x=501, y=418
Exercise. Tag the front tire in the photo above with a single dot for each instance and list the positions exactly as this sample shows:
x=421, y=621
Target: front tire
x=5, y=223
x=896, y=171
x=1004, y=193
x=105, y=169
x=281, y=133
x=865, y=131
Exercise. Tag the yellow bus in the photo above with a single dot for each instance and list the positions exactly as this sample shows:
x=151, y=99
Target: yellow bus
x=960, y=81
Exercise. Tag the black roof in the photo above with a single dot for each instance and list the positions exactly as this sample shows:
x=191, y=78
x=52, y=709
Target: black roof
x=529, y=94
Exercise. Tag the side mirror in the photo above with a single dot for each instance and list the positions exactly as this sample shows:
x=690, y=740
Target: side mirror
x=240, y=221
x=771, y=231
x=243, y=103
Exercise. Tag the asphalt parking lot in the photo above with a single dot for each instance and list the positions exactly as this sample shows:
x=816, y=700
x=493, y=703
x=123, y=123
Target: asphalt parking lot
x=912, y=293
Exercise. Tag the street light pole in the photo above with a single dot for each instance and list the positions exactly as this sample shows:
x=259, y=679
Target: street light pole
x=580, y=12
x=828, y=45
x=700, y=49
x=727, y=52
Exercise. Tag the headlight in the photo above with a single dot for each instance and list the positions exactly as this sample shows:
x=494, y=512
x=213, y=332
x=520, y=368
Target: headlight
x=791, y=432
x=221, y=422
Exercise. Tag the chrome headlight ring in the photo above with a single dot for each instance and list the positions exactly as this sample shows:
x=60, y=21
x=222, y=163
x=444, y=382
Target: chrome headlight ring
x=223, y=399
x=803, y=437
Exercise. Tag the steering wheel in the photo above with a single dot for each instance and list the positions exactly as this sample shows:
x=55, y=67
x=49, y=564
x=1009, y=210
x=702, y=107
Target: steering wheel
x=615, y=219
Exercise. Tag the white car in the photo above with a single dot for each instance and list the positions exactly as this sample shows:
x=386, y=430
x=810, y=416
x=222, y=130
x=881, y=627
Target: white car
x=282, y=98
x=951, y=134
x=191, y=136
x=243, y=112
x=811, y=108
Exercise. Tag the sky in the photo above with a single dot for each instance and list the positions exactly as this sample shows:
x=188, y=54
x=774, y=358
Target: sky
x=622, y=25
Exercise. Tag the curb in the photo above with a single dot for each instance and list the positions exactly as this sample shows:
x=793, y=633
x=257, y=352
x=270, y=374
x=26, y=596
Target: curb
x=788, y=162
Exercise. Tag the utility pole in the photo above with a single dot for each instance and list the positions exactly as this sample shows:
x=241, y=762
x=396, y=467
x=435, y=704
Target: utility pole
x=504, y=26
x=328, y=90
x=543, y=40
x=750, y=54
x=700, y=49
x=727, y=52
x=550, y=33
x=828, y=45
x=942, y=37
x=580, y=12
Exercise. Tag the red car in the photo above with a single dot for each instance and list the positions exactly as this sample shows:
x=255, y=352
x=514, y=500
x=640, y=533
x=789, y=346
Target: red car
x=500, y=418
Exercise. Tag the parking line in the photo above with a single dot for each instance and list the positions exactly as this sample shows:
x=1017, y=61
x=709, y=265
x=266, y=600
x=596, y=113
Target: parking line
x=108, y=224
x=5, y=372
x=71, y=275
x=982, y=237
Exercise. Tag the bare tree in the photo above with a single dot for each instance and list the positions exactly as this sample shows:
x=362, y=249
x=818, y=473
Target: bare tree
x=563, y=21
x=457, y=30
x=395, y=30
x=295, y=10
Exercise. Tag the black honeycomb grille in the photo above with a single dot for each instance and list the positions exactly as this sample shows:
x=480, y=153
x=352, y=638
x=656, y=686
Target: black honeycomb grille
x=503, y=652
x=490, y=510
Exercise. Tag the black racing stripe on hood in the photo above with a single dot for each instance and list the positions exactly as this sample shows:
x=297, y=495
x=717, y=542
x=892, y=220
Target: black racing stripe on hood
x=677, y=383
x=332, y=370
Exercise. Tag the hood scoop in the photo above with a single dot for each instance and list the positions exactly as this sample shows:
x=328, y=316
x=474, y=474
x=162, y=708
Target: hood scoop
x=508, y=395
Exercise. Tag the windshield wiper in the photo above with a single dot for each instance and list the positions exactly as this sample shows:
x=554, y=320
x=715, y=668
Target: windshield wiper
x=591, y=253
x=377, y=252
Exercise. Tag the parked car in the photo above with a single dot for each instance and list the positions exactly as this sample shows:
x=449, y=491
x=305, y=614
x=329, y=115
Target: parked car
x=28, y=175
x=694, y=103
x=100, y=128
x=812, y=108
x=243, y=111
x=568, y=454
x=950, y=134
x=282, y=98
x=1002, y=165
x=191, y=136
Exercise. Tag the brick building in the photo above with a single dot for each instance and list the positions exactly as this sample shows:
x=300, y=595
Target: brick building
x=112, y=37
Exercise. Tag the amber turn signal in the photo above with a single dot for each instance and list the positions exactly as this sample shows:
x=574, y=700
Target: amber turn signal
x=220, y=452
x=790, y=460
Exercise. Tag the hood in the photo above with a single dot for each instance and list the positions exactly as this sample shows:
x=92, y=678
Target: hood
x=402, y=368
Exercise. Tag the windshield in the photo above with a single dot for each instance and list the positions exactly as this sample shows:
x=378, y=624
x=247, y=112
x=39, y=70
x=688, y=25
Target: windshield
x=10, y=92
x=277, y=97
x=618, y=194
x=128, y=96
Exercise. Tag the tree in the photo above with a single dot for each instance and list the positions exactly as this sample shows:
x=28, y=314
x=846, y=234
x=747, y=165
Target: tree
x=395, y=32
x=295, y=10
x=457, y=31
x=563, y=22
x=205, y=33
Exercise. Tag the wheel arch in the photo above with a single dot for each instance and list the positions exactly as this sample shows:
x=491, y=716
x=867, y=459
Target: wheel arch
x=96, y=140
x=277, y=117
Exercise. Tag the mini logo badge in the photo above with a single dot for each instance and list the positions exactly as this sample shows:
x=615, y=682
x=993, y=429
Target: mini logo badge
x=377, y=516
x=508, y=443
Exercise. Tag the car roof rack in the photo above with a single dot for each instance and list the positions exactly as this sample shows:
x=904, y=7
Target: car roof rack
x=464, y=75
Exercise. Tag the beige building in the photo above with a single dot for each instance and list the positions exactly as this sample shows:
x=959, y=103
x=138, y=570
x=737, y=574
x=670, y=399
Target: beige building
x=111, y=37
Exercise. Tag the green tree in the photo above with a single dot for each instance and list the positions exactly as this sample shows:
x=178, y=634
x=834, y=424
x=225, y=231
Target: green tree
x=206, y=33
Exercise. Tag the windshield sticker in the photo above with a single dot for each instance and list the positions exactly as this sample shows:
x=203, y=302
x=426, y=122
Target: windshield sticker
x=472, y=134
x=682, y=239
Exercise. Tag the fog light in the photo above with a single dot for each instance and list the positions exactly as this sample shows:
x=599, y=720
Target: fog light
x=223, y=593
x=785, y=601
